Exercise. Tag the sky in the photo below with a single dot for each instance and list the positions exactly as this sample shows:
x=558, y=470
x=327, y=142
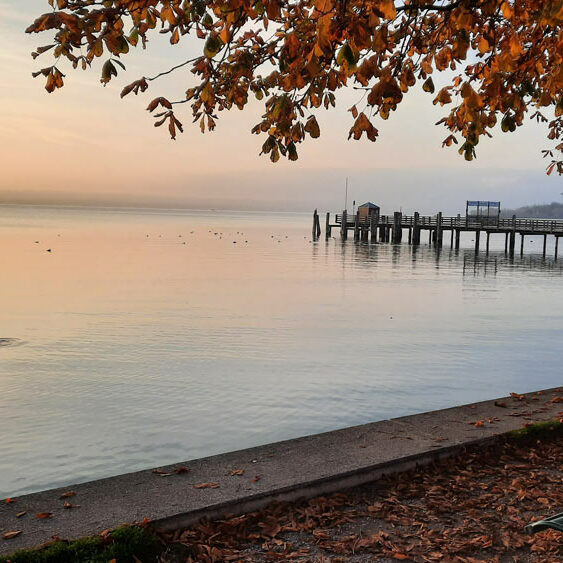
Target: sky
x=84, y=145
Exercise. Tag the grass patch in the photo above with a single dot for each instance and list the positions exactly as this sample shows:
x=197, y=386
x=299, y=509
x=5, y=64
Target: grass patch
x=123, y=545
x=538, y=431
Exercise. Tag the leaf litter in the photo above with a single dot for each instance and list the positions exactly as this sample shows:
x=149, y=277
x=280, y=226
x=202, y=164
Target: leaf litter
x=468, y=509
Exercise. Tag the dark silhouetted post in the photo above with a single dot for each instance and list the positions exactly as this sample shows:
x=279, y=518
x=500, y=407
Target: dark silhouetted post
x=416, y=229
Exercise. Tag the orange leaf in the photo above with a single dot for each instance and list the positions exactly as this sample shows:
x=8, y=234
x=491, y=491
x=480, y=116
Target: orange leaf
x=10, y=535
x=10, y=500
x=68, y=494
x=43, y=515
x=206, y=486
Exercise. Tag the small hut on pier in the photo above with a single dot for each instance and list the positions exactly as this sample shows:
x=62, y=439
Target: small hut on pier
x=367, y=209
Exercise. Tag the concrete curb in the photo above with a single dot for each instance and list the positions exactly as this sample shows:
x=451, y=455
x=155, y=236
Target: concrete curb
x=288, y=470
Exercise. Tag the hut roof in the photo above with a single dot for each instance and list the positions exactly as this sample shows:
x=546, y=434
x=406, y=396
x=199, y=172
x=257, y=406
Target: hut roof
x=370, y=205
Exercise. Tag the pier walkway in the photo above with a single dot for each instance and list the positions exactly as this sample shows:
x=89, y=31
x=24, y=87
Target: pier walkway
x=389, y=228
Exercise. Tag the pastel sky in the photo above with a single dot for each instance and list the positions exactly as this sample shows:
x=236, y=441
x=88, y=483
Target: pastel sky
x=84, y=145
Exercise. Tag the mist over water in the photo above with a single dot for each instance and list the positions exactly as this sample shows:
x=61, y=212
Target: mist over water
x=146, y=337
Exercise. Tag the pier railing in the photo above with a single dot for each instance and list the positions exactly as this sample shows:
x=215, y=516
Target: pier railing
x=462, y=222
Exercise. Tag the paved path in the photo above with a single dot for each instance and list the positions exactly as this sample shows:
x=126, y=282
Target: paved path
x=288, y=470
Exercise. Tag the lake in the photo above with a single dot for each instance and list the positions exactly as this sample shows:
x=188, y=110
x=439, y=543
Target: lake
x=150, y=337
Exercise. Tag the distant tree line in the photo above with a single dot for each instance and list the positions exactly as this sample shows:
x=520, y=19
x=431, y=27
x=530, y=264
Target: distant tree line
x=552, y=210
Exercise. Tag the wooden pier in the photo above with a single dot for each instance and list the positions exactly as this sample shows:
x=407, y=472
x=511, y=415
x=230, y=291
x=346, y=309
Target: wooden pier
x=389, y=228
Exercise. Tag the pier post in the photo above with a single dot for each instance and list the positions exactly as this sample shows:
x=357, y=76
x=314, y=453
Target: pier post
x=522, y=244
x=357, y=226
x=506, y=243
x=556, y=245
x=343, y=225
x=512, y=237
x=452, y=237
x=544, y=244
x=416, y=229
x=316, y=225
x=439, y=229
x=373, y=227
x=397, y=228
x=477, y=237
x=488, y=235
x=457, y=234
x=364, y=230
x=410, y=235
x=328, y=228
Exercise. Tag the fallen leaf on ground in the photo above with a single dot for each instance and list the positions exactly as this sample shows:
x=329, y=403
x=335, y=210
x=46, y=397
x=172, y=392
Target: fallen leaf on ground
x=20, y=514
x=10, y=500
x=68, y=506
x=517, y=396
x=176, y=471
x=556, y=400
x=206, y=486
x=237, y=472
x=68, y=494
x=10, y=535
x=256, y=479
x=476, y=423
x=500, y=404
x=43, y=515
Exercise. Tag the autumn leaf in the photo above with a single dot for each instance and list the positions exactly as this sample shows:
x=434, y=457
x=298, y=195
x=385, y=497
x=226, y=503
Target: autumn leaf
x=9, y=500
x=314, y=49
x=68, y=494
x=177, y=471
x=206, y=486
x=43, y=515
x=11, y=535
x=256, y=479
x=22, y=513
x=361, y=125
x=237, y=472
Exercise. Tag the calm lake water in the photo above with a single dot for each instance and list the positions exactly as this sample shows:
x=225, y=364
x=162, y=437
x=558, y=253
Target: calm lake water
x=150, y=337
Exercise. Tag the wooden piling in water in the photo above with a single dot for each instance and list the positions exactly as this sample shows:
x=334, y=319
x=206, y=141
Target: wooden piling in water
x=556, y=245
x=488, y=236
x=316, y=225
x=373, y=227
x=544, y=244
x=477, y=237
x=439, y=229
x=328, y=228
x=416, y=229
x=506, y=243
x=397, y=229
x=343, y=229
x=357, y=226
x=522, y=244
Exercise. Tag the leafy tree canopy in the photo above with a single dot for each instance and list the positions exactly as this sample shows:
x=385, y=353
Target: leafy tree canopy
x=504, y=59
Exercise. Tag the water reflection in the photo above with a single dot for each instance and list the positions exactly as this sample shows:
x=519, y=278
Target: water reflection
x=367, y=255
